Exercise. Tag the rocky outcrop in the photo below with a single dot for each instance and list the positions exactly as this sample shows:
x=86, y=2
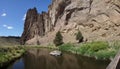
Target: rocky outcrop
x=36, y=25
x=96, y=19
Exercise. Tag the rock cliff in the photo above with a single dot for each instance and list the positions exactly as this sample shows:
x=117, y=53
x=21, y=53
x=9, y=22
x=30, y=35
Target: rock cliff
x=96, y=19
x=36, y=25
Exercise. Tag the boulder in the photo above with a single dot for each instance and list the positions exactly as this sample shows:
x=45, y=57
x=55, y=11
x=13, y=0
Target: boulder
x=56, y=53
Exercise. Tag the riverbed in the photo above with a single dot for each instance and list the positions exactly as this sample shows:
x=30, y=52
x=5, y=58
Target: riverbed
x=41, y=59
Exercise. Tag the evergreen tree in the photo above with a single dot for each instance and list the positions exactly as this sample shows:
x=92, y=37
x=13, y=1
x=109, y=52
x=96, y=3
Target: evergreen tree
x=58, y=39
x=79, y=37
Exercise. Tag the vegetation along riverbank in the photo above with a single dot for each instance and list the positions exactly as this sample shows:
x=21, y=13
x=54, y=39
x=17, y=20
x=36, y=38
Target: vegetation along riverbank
x=99, y=49
x=9, y=54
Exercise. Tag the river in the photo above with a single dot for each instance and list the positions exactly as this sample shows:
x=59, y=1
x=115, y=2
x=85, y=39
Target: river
x=40, y=59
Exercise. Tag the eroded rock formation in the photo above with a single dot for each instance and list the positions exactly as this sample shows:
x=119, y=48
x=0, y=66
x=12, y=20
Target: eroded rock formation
x=36, y=25
x=96, y=19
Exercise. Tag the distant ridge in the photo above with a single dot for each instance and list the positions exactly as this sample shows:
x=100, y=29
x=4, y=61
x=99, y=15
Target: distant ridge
x=9, y=40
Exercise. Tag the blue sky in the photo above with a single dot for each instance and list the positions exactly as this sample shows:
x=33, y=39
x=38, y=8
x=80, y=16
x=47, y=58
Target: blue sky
x=12, y=14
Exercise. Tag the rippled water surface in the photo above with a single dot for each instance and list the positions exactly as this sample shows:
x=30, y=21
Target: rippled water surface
x=40, y=59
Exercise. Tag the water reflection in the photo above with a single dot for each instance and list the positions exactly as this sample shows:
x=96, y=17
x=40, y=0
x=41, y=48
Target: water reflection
x=40, y=59
x=17, y=65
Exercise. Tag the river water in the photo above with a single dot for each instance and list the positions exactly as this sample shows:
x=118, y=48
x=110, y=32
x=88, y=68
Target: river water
x=40, y=59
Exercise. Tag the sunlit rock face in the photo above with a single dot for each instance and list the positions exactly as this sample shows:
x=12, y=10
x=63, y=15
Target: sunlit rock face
x=96, y=19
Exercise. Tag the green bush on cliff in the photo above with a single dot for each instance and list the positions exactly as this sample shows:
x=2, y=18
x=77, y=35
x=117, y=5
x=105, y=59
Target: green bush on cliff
x=58, y=39
x=79, y=37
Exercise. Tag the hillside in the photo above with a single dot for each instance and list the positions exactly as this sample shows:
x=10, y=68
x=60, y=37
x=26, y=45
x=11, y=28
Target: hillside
x=9, y=41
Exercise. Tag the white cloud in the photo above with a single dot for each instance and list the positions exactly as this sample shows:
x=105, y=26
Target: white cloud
x=4, y=25
x=24, y=17
x=4, y=14
x=8, y=27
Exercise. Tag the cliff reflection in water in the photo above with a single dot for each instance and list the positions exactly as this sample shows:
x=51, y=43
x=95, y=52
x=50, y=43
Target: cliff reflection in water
x=40, y=59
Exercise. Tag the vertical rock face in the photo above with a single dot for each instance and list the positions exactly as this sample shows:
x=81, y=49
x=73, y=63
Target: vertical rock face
x=56, y=9
x=36, y=25
x=30, y=25
x=96, y=19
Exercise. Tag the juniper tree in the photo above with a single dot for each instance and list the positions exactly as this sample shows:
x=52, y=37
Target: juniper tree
x=79, y=37
x=58, y=39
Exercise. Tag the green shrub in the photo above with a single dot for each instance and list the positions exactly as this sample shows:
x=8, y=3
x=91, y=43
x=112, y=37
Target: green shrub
x=115, y=45
x=91, y=48
x=83, y=48
x=58, y=39
x=96, y=46
x=79, y=37
x=105, y=54
x=66, y=47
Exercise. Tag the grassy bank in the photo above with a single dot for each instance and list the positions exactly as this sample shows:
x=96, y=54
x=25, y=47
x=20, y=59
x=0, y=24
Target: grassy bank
x=9, y=54
x=99, y=49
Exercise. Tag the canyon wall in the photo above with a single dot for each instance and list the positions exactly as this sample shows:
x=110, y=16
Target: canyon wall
x=98, y=20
